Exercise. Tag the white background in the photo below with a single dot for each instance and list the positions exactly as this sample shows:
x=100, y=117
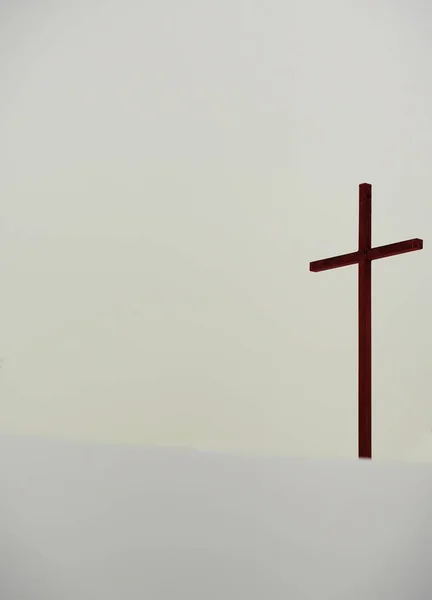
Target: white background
x=169, y=169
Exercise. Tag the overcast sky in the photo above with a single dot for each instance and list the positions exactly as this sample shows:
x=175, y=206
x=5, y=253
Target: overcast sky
x=168, y=171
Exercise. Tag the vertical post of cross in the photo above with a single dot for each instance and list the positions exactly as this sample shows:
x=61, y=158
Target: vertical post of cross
x=365, y=323
x=364, y=257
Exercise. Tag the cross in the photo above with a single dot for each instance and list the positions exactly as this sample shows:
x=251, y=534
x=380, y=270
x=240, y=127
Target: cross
x=364, y=257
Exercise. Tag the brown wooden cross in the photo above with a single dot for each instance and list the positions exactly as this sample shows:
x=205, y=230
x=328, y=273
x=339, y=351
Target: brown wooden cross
x=364, y=257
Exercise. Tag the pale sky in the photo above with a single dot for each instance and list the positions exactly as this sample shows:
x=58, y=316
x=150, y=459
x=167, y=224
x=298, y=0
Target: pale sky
x=168, y=171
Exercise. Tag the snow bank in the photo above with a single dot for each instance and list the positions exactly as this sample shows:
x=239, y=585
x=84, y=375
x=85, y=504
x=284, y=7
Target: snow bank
x=89, y=522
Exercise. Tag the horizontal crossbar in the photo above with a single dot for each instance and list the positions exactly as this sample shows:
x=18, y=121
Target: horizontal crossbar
x=333, y=263
x=352, y=258
x=394, y=249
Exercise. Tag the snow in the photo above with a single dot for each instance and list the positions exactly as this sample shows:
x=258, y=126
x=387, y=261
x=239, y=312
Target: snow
x=83, y=521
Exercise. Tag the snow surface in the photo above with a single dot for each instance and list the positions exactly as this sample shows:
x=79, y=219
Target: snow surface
x=89, y=522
